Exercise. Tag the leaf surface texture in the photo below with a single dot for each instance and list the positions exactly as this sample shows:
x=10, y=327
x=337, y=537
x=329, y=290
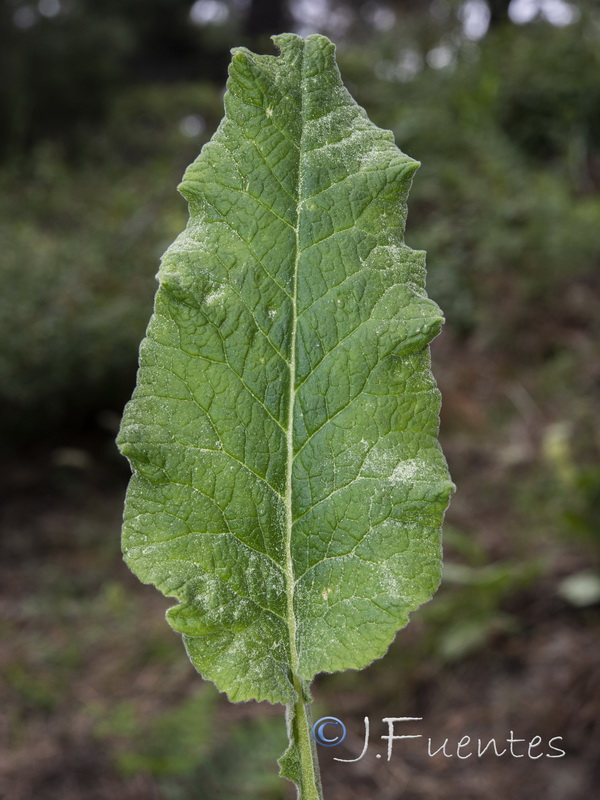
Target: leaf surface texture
x=288, y=487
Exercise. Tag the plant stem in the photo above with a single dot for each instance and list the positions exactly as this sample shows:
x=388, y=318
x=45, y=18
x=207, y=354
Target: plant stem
x=301, y=734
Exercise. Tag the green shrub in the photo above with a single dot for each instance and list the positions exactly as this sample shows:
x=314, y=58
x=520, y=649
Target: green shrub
x=81, y=243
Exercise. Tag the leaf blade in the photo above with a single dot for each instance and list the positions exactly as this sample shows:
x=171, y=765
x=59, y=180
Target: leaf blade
x=284, y=389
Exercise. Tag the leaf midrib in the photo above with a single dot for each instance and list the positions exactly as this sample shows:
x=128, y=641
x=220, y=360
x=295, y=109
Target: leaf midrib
x=289, y=564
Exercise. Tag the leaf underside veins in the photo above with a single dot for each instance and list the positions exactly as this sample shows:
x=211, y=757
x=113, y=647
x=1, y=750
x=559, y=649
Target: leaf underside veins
x=288, y=487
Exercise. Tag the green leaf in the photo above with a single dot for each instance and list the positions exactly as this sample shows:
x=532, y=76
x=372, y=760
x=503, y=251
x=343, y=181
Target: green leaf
x=288, y=485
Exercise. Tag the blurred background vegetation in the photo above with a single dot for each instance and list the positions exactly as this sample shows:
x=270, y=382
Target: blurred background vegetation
x=102, y=105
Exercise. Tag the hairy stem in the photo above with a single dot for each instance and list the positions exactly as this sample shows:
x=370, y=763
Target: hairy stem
x=300, y=732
